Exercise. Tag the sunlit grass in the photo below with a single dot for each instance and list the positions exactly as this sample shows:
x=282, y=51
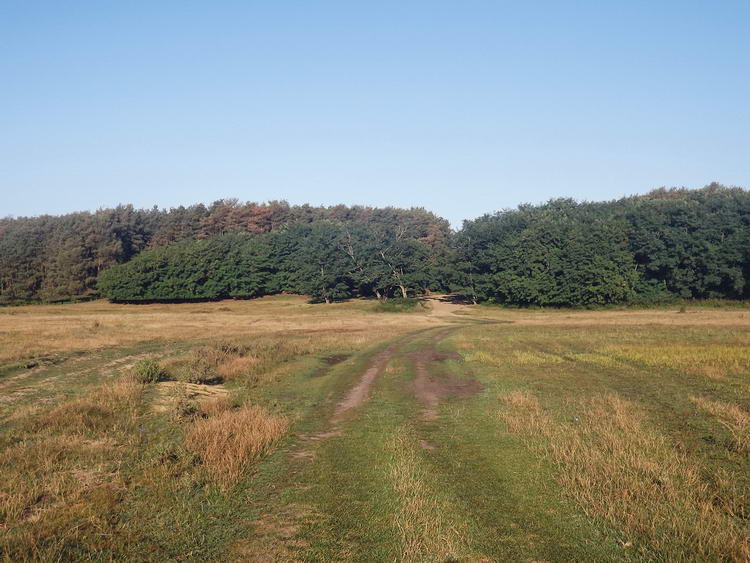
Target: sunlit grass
x=713, y=360
x=229, y=440
x=733, y=417
x=39, y=330
x=620, y=469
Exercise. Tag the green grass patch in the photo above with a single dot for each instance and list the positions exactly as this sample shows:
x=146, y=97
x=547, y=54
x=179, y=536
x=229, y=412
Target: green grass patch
x=399, y=305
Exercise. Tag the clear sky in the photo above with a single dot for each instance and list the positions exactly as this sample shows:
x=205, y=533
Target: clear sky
x=462, y=107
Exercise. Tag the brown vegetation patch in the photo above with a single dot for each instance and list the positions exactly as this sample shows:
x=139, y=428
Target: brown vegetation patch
x=229, y=442
x=105, y=408
x=42, y=330
x=620, y=469
x=276, y=536
x=170, y=392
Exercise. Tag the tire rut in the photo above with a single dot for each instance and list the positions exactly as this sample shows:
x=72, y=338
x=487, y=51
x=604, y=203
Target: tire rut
x=430, y=386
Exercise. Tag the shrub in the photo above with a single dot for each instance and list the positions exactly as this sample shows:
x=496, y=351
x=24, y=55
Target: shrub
x=184, y=408
x=201, y=370
x=148, y=371
x=397, y=305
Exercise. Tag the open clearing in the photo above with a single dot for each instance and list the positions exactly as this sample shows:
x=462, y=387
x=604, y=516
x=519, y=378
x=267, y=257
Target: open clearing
x=334, y=432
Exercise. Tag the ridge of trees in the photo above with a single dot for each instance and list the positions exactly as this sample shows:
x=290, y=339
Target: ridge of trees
x=52, y=258
x=670, y=243
x=667, y=244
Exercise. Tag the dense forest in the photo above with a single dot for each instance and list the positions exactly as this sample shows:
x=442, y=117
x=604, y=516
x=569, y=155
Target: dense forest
x=670, y=243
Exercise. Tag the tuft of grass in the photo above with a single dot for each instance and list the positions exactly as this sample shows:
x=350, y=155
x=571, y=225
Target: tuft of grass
x=112, y=405
x=148, y=370
x=214, y=406
x=236, y=367
x=230, y=441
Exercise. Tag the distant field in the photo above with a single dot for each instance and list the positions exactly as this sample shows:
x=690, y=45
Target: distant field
x=272, y=430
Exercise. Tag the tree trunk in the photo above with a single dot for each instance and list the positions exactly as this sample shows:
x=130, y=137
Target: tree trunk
x=403, y=291
x=378, y=295
x=328, y=300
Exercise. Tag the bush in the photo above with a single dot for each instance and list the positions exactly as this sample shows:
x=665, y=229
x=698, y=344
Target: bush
x=397, y=305
x=184, y=408
x=201, y=370
x=148, y=371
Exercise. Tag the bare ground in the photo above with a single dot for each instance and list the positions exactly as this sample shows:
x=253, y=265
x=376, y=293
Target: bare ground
x=431, y=384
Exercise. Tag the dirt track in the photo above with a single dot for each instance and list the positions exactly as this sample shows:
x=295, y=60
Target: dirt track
x=432, y=381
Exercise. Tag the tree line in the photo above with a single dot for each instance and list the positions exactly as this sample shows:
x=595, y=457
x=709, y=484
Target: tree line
x=51, y=258
x=670, y=243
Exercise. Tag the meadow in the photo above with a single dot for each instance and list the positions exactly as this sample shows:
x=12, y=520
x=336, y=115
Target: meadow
x=277, y=430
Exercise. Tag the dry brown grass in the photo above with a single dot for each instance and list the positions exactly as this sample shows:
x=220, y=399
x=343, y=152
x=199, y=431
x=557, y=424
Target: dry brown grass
x=619, y=469
x=236, y=367
x=734, y=418
x=109, y=407
x=704, y=317
x=61, y=482
x=230, y=441
x=215, y=405
x=36, y=330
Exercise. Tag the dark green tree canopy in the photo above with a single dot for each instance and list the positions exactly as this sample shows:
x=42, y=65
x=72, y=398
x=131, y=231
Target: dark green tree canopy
x=670, y=243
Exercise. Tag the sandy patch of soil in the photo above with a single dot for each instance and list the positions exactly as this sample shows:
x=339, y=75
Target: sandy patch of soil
x=360, y=393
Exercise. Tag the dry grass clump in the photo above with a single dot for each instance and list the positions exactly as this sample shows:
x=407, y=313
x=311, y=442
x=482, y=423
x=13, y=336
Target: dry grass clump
x=258, y=357
x=253, y=360
x=187, y=406
x=228, y=360
x=80, y=415
x=621, y=470
x=32, y=479
x=230, y=441
x=236, y=367
x=732, y=417
x=216, y=405
x=524, y=413
x=109, y=407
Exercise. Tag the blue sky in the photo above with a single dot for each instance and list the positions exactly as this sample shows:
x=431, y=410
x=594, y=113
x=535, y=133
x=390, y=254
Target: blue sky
x=461, y=107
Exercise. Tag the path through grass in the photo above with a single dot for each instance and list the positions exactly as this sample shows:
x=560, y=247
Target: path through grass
x=492, y=435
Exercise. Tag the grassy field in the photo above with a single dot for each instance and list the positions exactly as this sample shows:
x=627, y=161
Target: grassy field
x=272, y=430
